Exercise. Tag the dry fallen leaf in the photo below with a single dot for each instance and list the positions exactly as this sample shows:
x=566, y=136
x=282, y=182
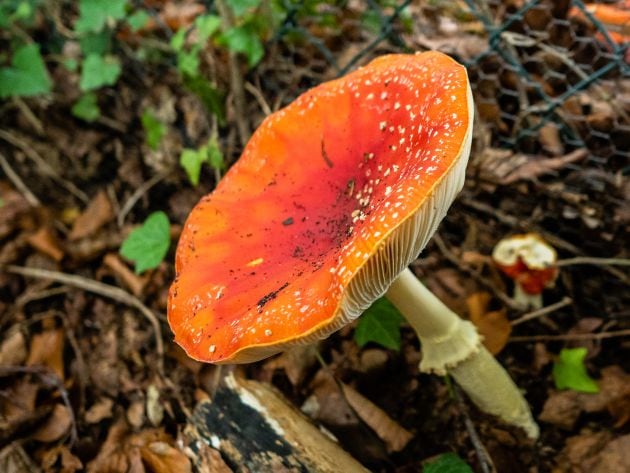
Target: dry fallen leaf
x=47, y=349
x=562, y=408
x=98, y=213
x=295, y=362
x=536, y=167
x=494, y=326
x=389, y=431
x=55, y=426
x=44, y=241
x=101, y=409
x=13, y=348
x=59, y=459
x=134, y=282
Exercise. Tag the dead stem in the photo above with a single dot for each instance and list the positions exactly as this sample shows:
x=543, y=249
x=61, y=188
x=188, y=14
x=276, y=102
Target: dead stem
x=135, y=197
x=542, y=311
x=485, y=461
x=111, y=292
x=236, y=79
x=18, y=182
x=46, y=168
x=594, y=261
x=569, y=337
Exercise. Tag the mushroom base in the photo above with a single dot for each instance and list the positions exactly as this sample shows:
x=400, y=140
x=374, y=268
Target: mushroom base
x=450, y=344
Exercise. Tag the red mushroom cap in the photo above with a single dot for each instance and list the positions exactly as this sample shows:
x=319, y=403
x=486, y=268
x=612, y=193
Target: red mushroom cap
x=332, y=197
x=528, y=260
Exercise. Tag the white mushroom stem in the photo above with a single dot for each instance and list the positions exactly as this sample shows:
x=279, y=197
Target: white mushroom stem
x=452, y=344
x=525, y=299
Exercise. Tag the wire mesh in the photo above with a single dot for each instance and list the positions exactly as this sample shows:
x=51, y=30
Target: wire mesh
x=556, y=68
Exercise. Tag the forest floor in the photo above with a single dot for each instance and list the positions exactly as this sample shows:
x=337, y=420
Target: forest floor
x=90, y=377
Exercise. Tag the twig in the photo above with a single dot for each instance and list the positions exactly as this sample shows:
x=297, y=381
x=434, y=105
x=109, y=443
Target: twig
x=133, y=199
x=111, y=292
x=18, y=182
x=259, y=98
x=449, y=255
x=543, y=311
x=44, y=165
x=569, y=337
x=485, y=461
x=236, y=79
x=30, y=116
x=594, y=261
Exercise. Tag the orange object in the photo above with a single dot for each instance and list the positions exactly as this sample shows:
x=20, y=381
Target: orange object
x=332, y=198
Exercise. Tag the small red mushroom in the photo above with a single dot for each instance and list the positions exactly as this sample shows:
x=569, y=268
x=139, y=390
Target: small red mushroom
x=531, y=263
x=331, y=200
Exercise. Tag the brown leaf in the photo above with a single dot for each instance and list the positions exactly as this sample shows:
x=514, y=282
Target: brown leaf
x=98, y=213
x=60, y=454
x=55, y=426
x=389, y=431
x=536, y=167
x=100, y=410
x=615, y=457
x=47, y=349
x=13, y=348
x=564, y=407
x=44, y=241
x=549, y=137
x=130, y=279
x=295, y=362
x=164, y=458
x=494, y=326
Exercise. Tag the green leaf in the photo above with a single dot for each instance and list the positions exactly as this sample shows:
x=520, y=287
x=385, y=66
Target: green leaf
x=191, y=160
x=206, y=26
x=178, y=40
x=209, y=95
x=98, y=71
x=86, y=107
x=380, y=323
x=447, y=463
x=241, y=6
x=138, y=20
x=241, y=39
x=95, y=14
x=147, y=245
x=569, y=371
x=95, y=43
x=27, y=76
x=188, y=62
x=154, y=129
x=215, y=156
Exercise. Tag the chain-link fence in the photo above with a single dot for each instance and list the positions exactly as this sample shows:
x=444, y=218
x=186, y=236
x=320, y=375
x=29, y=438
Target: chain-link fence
x=555, y=74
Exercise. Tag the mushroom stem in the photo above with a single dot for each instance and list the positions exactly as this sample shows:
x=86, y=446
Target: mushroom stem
x=524, y=299
x=452, y=344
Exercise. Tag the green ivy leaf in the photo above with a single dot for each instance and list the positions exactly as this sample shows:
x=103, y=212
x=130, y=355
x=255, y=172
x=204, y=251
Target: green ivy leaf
x=569, y=371
x=215, y=156
x=191, y=160
x=206, y=26
x=138, y=20
x=447, y=463
x=98, y=71
x=209, y=95
x=27, y=76
x=241, y=6
x=147, y=245
x=154, y=129
x=380, y=323
x=95, y=43
x=244, y=40
x=94, y=14
x=87, y=107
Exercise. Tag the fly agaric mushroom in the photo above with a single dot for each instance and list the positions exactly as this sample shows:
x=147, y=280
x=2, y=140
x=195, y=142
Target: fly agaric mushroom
x=332, y=198
x=530, y=262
